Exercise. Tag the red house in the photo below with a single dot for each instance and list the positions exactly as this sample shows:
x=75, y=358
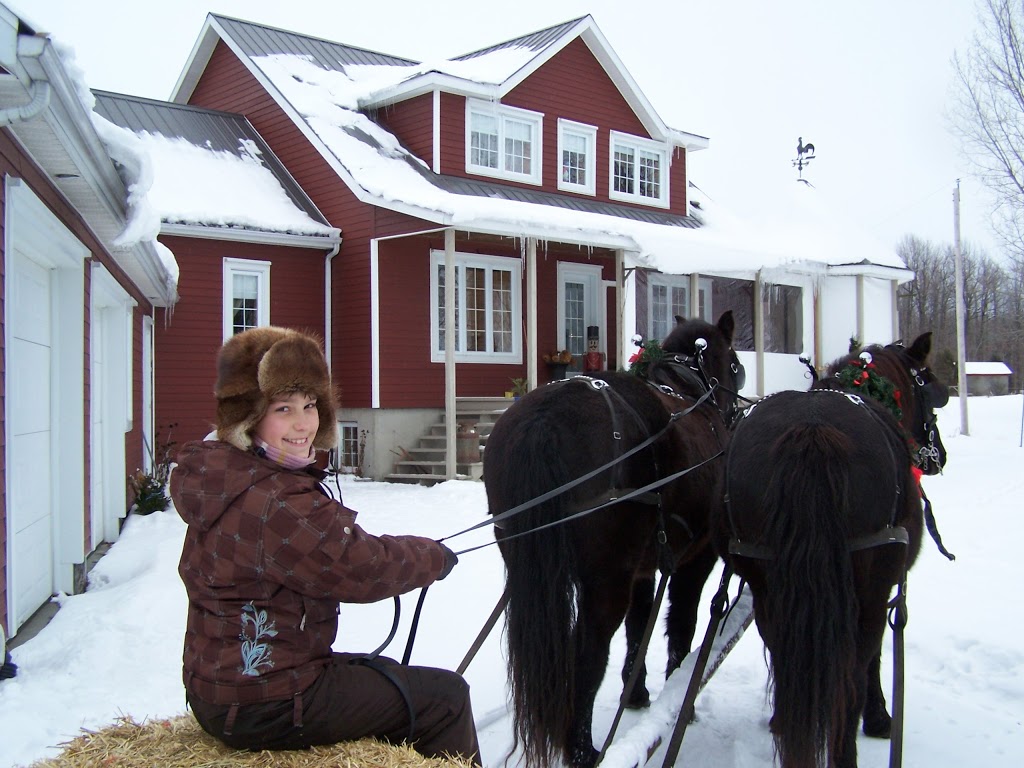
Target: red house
x=518, y=169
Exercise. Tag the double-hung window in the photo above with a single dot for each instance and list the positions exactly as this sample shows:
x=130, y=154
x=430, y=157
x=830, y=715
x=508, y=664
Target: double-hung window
x=669, y=295
x=639, y=170
x=576, y=157
x=503, y=142
x=246, y=295
x=488, y=308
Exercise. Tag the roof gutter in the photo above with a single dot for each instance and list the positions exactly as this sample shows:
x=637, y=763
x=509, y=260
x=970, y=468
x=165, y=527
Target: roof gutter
x=40, y=91
x=331, y=238
x=25, y=47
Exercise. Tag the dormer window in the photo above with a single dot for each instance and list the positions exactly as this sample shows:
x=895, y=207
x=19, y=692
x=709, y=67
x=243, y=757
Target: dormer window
x=577, y=145
x=639, y=170
x=503, y=142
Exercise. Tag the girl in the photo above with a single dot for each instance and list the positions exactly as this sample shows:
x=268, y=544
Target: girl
x=267, y=557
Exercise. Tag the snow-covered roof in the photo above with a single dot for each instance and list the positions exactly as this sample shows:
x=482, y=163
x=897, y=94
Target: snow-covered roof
x=325, y=100
x=211, y=169
x=54, y=123
x=986, y=369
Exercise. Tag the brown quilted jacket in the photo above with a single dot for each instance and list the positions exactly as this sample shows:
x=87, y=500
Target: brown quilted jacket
x=266, y=560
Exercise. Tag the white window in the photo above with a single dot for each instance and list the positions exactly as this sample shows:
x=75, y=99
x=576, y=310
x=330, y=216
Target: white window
x=576, y=157
x=246, y=295
x=488, y=313
x=503, y=142
x=668, y=296
x=351, y=443
x=639, y=170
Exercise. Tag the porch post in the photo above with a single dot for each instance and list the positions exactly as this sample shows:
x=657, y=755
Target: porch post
x=620, y=309
x=894, y=288
x=759, y=332
x=531, y=313
x=694, y=294
x=449, y=353
x=819, y=328
x=860, y=309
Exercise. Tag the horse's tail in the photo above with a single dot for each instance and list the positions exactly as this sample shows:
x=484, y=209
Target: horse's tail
x=810, y=606
x=543, y=586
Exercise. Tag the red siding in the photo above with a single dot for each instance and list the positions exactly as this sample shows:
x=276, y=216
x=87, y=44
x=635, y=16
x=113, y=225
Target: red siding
x=187, y=341
x=227, y=85
x=412, y=122
x=574, y=86
x=405, y=320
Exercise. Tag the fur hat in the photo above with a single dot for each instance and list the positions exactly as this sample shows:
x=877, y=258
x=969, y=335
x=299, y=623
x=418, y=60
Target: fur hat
x=254, y=366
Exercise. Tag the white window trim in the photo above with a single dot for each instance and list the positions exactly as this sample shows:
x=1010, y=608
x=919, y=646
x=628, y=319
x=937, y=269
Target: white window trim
x=675, y=281
x=588, y=132
x=499, y=111
x=462, y=260
x=347, y=469
x=239, y=266
x=647, y=145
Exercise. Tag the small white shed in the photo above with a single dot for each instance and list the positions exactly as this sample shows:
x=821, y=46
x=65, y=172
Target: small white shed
x=988, y=378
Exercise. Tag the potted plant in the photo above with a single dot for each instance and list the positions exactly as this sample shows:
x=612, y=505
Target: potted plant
x=519, y=388
x=558, y=362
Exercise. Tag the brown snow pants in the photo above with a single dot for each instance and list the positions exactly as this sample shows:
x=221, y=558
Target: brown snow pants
x=350, y=701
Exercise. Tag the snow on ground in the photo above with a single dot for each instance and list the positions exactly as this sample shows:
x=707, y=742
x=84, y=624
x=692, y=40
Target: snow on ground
x=116, y=649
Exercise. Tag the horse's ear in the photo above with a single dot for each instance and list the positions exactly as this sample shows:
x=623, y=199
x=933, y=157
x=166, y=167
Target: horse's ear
x=727, y=325
x=680, y=319
x=921, y=347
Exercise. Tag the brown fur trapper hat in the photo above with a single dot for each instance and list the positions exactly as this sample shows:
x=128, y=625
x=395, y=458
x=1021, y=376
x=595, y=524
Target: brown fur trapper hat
x=254, y=366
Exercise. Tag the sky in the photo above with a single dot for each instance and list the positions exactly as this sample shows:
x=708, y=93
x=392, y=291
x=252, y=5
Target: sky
x=866, y=83
x=116, y=649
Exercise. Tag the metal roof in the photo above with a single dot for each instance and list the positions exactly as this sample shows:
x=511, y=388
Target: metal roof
x=218, y=131
x=463, y=186
x=260, y=40
x=535, y=41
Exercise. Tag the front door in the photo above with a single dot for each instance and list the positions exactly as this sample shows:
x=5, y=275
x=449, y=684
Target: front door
x=579, y=306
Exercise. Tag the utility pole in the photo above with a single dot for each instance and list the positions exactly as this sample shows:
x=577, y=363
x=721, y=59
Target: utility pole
x=961, y=367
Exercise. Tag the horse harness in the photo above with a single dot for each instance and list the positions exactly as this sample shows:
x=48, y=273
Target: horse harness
x=890, y=534
x=897, y=617
x=928, y=454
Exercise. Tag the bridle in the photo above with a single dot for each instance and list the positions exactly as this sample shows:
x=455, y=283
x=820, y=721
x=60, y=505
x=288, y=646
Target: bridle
x=925, y=447
x=691, y=369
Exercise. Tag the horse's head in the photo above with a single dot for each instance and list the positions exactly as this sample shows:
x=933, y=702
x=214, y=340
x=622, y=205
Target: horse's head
x=927, y=393
x=909, y=388
x=699, y=356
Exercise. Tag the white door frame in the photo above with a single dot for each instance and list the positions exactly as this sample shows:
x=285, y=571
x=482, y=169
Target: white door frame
x=594, y=300
x=110, y=339
x=32, y=231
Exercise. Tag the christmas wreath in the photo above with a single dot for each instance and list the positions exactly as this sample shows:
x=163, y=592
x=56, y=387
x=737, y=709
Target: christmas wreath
x=860, y=376
x=649, y=352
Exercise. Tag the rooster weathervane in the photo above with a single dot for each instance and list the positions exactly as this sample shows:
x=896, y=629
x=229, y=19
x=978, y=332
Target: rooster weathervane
x=804, y=155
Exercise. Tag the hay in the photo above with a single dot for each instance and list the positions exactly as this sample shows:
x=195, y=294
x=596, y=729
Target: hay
x=181, y=743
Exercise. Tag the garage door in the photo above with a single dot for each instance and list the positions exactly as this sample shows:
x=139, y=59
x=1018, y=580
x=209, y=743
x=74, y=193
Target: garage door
x=30, y=503
x=44, y=382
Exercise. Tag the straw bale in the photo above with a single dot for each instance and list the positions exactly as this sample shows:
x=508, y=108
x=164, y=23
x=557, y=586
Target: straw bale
x=180, y=743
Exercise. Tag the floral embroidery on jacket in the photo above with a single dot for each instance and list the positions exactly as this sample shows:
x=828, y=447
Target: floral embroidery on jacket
x=255, y=654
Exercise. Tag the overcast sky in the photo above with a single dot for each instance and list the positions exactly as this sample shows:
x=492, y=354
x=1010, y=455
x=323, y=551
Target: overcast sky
x=867, y=83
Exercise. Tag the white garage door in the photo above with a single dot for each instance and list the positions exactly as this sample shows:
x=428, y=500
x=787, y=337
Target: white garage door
x=44, y=379
x=30, y=505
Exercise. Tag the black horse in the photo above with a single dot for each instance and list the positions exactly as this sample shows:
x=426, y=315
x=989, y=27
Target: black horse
x=570, y=585
x=822, y=518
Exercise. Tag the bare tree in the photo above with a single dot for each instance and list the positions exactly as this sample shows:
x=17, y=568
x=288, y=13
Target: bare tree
x=988, y=112
x=994, y=305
